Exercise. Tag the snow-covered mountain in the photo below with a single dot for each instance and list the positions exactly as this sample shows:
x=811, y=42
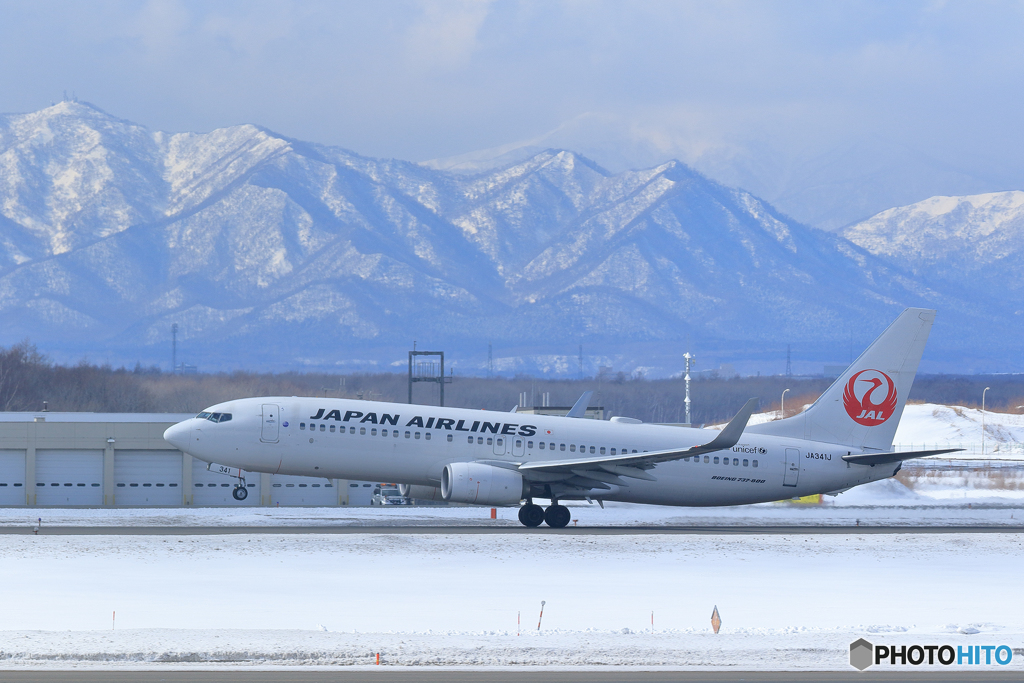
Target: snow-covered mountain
x=271, y=252
x=975, y=241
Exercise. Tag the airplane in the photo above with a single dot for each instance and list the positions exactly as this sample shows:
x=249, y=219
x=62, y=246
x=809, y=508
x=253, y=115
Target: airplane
x=494, y=458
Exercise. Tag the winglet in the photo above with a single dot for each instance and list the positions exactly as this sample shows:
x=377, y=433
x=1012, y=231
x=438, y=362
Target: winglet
x=580, y=408
x=732, y=432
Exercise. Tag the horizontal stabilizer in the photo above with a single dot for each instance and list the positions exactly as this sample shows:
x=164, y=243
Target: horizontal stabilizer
x=882, y=458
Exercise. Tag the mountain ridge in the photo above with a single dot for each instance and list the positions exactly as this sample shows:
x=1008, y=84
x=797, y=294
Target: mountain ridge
x=281, y=253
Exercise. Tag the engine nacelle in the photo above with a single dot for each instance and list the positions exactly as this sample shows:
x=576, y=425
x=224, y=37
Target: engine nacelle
x=419, y=492
x=476, y=483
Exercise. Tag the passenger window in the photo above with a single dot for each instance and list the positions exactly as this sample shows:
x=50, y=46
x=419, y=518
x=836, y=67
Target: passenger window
x=394, y=433
x=427, y=436
x=316, y=486
x=407, y=435
x=323, y=428
x=735, y=461
x=499, y=442
x=519, y=442
x=449, y=438
x=634, y=450
x=529, y=444
x=302, y=486
x=541, y=445
x=132, y=485
x=362, y=430
x=122, y=485
x=302, y=426
x=198, y=486
x=561, y=446
x=479, y=439
x=351, y=430
x=572, y=448
x=353, y=486
x=755, y=463
x=592, y=450
x=470, y=439
x=745, y=462
x=276, y=486
x=143, y=484
x=332, y=429
x=613, y=451
x=373, y=432
x=417, y=435
x=602, y=450
x=716, y=459
x=490, y=441
x=705, y=459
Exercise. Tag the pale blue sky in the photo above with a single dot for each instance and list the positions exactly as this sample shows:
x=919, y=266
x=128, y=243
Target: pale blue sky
x=753, y=93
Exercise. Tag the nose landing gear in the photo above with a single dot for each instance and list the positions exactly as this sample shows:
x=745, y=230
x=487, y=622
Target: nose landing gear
x=556, y=516
x=240, y=492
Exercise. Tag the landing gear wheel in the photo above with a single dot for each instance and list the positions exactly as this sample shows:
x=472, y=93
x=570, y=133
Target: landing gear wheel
x=240, y=493
x=557, y=516
x=531, y=515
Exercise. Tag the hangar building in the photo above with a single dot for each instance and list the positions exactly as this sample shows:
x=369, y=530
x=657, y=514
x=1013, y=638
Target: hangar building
x=121, y=459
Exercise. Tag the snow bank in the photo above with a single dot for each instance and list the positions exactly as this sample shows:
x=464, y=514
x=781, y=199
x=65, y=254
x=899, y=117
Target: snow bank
x=744, y=649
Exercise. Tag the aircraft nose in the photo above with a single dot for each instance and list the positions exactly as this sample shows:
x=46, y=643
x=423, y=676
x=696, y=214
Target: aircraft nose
x=178, y=435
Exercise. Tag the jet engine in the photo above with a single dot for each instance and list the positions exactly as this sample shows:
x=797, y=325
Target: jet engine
x=419, y=492
x=476, y=483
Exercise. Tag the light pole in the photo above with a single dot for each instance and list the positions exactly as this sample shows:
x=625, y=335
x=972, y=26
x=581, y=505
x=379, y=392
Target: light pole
x=783, y=411
x=983, y=421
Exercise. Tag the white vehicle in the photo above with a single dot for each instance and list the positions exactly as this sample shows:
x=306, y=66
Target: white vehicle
x=388, y=494
x=493, y=458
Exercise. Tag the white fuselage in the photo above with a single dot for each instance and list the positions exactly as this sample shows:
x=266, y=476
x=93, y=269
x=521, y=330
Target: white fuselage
x=410, y=444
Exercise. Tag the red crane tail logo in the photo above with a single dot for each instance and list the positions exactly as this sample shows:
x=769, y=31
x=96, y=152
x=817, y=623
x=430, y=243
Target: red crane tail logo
x=862, y=394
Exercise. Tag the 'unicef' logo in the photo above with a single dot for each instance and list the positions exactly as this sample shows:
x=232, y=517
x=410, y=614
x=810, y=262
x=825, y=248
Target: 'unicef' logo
x=870, y=397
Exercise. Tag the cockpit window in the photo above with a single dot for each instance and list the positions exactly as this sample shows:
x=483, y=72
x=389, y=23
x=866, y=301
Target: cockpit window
x=214, y=417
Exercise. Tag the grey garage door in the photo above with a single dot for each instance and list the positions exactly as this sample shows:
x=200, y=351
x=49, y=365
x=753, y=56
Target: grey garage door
x=69, y=477
x=147, y=478
x=360, y=493
x=289, y=490
x=12, y=477
x=215, y=489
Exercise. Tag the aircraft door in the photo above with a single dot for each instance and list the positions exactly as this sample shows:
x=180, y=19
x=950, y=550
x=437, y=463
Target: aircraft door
x=792, y=467
x=518, y=446
x=271, y=423
x=501, y=444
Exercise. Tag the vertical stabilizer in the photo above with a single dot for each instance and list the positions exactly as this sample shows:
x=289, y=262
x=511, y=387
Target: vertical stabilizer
x=863, y=407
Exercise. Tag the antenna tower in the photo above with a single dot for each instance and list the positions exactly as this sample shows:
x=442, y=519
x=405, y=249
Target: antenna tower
x=689, y=359
x=789, y=361
x=490, y=360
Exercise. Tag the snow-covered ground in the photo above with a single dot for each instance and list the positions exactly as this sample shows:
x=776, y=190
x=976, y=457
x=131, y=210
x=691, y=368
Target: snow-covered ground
x=939, y=498
x=787, y=602
x=930, y=425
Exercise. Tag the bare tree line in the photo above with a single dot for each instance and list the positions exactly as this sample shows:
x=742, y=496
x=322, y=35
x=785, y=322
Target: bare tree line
x=28, y=381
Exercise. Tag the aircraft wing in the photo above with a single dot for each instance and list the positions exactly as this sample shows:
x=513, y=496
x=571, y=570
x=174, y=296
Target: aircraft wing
x=634, y=464
x=882, y=458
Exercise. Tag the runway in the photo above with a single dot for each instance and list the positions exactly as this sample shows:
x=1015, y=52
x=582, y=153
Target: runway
x=502, y=676
x=474, y=530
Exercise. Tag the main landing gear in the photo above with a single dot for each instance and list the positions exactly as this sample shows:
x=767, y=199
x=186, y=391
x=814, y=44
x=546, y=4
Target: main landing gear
x=556, y=516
